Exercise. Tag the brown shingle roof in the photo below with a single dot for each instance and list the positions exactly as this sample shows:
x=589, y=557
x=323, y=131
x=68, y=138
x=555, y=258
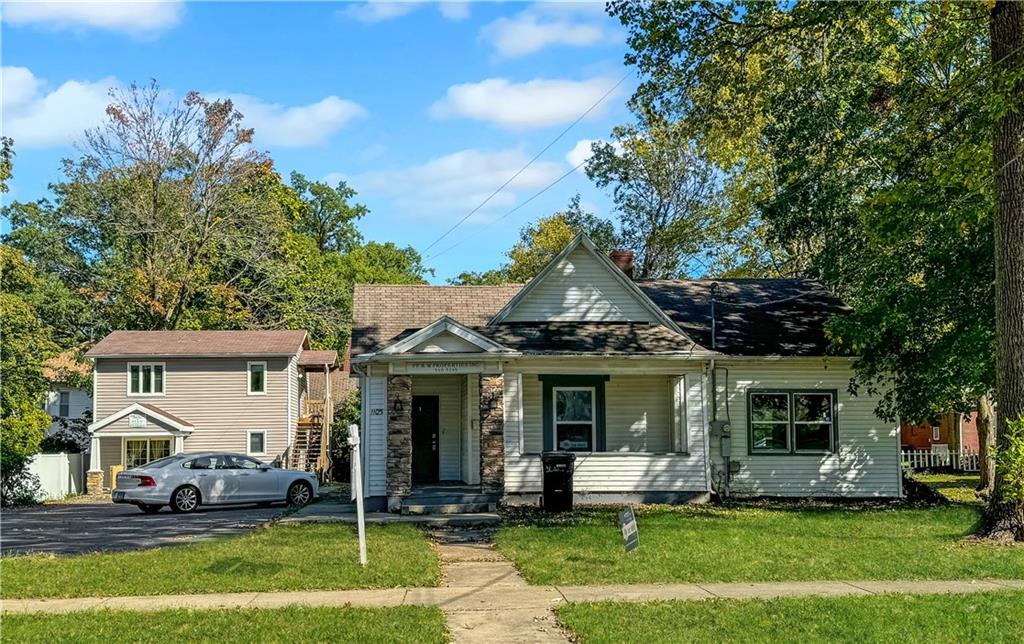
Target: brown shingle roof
x=166, y=414
x=382, y=312
x=198, y=343
x=313, y=357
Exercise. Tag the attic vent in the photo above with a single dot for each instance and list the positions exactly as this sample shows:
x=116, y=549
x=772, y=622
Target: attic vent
x=624, y=260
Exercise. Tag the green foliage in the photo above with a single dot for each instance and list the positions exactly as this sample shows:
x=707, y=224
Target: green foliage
x=1010, y=463
x=325, y=214
x=26, y=345
x=853, y=142
x=377, y=263
x=6, y=161
x=493, y=277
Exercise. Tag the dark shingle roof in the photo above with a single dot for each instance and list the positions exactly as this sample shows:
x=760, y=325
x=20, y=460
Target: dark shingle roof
x=753, y=317
x=198, y=343
x=383, y=312
x=587, y=337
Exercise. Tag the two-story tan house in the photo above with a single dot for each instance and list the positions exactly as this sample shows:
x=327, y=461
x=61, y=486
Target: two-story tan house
x=157, y=393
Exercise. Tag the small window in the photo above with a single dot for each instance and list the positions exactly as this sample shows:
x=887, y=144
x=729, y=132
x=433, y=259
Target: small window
x=935, y=433
x=574, y=418
x=145, y=379
x=257, y=443
x=783, y=422
x=65, y=404
x=257, y=378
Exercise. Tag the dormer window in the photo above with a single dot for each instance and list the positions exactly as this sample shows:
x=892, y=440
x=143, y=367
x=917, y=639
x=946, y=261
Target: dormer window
x=257, y=378
x=145, y=379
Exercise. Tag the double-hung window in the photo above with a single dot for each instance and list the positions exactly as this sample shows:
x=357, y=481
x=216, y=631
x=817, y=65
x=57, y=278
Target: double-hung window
x=256, y=443
x=257, y=378
x=64, y=404
x=791, y=422
x=574, y=418
x=145, y=379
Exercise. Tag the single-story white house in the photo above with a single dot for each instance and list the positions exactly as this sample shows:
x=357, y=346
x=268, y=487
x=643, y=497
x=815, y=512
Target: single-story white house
x=666, y=390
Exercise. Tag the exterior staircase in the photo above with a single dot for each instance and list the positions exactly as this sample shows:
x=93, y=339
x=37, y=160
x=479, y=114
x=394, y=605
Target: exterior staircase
x=449, y=499
x=307, y=450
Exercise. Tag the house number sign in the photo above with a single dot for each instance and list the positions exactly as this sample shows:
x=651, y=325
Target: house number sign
x=136, y=420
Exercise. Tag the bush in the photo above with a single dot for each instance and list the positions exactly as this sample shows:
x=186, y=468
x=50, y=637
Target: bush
x=72, y=435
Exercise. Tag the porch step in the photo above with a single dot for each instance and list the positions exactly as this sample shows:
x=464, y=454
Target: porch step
x=448, y=508
x=449, y=498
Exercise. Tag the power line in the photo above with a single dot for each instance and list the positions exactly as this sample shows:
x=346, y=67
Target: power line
x=534, y=196
x=530, y=162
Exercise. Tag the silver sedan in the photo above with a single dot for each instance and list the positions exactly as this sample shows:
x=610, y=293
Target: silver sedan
x=186, y=481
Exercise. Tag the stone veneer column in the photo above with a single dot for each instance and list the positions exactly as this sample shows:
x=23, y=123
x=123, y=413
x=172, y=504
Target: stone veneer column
x=492, y=433
x=399, y=468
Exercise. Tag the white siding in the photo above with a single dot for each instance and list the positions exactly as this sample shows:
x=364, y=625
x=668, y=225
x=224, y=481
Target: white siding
x=375, y=433
x=449, y=390
x=471, y=429
x=638, y=412
x=79, y=402
x=580, y=288
x=866, y=463
x=445, y=343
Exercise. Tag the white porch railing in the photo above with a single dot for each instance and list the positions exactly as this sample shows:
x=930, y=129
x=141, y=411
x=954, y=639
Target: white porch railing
x=926, y=459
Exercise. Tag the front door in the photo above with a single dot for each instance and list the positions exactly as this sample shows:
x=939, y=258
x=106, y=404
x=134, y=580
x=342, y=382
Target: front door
x=426, y=439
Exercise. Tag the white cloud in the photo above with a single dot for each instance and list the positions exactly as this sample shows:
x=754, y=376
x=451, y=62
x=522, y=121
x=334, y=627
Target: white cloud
x=296, y=126
x=546, y=24
x=582, y=152
x=36, y=118
x=454, y=10
x=454, y=184
x=536, y=103
x=372, y=12
x=133, y=18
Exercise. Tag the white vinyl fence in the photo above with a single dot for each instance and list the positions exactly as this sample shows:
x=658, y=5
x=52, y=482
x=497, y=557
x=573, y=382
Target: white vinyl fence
x=59, y=474
x=925, y=459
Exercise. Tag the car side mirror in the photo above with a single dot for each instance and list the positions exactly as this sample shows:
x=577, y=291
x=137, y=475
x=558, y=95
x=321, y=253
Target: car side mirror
x=264, y=468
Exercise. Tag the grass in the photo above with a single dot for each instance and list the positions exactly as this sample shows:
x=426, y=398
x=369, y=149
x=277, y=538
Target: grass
x=757, y=543
x=301, y=557
x=294, y=624
x=958, y=488
x=975, y=617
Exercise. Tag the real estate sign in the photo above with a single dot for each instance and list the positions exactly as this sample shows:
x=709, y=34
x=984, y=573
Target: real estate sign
x=630, y=534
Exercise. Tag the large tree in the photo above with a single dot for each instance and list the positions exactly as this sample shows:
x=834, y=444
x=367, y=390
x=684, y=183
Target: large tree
x=327, y=215
x=1006, y=28
x=854, y=138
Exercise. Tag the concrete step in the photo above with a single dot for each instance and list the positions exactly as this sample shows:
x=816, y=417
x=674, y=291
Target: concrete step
x=447, y=508
x=447, y=498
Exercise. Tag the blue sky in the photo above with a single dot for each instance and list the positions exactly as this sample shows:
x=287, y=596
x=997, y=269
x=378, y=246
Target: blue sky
x=423, y=108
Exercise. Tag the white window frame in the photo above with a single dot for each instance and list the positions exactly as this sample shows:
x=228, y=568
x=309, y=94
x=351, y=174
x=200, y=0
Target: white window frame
x=140, y=394
x=593, y=418
x=248, y=442
x=936, y=433
x=248, y=378
x=148, y=439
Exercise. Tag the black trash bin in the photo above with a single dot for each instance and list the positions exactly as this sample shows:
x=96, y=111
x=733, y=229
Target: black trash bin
x=558, y=467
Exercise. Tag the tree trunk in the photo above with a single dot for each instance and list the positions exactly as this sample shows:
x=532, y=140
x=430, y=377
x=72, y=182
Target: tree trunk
x=1006, y=33
x=986, y=443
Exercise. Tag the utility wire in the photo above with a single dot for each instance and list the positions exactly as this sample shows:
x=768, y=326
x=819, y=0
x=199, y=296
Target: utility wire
x=530, y=162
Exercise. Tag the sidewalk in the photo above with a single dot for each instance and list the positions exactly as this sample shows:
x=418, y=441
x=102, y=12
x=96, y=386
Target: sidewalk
x=507, y=596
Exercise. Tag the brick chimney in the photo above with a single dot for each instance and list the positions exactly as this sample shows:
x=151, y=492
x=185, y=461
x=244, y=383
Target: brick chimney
x=624, y=260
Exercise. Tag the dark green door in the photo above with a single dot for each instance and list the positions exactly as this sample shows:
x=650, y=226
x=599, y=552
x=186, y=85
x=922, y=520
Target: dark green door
x=426, y=439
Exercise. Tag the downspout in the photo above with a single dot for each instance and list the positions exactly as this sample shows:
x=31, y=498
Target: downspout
x=719, y=429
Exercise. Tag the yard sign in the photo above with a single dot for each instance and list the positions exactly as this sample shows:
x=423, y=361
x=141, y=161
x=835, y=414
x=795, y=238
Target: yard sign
x=630, y=534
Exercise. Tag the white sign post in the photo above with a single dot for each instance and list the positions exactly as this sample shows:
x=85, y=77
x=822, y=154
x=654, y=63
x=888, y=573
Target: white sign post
x=357, y=489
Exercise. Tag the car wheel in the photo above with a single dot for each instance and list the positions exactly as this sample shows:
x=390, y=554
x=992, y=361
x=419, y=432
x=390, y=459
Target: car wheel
x=185, y=499
x=300, y=493
x=150, y=509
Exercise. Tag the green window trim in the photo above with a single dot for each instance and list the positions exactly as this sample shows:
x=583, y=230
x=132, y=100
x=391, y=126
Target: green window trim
x=791, y=449
x=548, y=384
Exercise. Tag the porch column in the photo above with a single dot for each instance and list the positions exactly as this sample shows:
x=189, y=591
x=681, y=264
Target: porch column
x=179, y=444
x=492, y=433
x=94, y=477
x=399, y=467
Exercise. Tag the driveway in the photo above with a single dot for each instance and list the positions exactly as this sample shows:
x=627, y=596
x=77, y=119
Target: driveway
x=75, y=528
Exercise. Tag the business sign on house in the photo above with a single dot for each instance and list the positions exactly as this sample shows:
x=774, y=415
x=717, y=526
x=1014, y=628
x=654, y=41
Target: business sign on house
x=630, y=534
x=136, y=421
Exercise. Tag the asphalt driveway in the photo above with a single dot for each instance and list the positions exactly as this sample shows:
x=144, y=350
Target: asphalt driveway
x=76, y=528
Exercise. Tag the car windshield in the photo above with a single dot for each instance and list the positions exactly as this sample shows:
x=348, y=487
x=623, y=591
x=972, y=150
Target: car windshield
x=162, y=462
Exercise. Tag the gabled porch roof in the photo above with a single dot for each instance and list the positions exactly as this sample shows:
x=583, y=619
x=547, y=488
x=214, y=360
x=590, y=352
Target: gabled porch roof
x=176, y=425
x=475, y=341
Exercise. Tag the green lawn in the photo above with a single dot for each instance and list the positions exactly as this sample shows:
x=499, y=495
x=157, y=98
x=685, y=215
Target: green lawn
x=365, y=625
x=958, y=488
x=757, y=543
x=301, y=557
x=976, y=617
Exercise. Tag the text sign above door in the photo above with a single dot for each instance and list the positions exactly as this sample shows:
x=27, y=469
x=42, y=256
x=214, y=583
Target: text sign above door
x=441, y=367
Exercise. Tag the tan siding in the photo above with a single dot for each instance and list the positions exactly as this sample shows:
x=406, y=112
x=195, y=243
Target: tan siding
x=110, y=454
x=211, y=395
x=612, y=472
x=580, y=288
x=638, y=414
x=866, y=464
x=448, y=389
x=533, y=425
